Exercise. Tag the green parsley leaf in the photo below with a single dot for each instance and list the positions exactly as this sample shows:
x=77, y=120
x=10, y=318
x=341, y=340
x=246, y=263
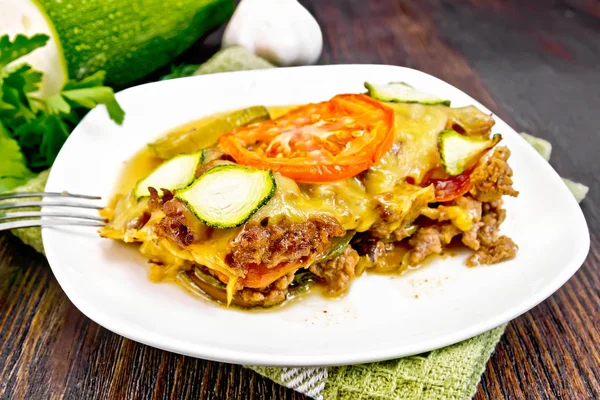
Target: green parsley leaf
x=89, y=92
x=90, y=98
x=42, y=139
x=13, y=171
x=181, y=71
x=34, y=129
x=16, y=104
x=20, y=46
x=96, y=79
x=24, y=77
x=56, y=104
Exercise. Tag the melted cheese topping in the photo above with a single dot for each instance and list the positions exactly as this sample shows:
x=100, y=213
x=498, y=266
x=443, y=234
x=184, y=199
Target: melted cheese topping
x=392, y=184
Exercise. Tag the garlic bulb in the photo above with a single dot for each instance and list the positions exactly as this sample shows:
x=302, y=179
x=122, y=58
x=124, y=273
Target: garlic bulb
x=280, y=31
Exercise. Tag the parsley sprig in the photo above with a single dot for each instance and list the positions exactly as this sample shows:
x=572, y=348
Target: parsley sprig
x=33, y=129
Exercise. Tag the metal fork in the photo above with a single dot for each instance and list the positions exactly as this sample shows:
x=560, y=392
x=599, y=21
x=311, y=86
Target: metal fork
x=46, y=218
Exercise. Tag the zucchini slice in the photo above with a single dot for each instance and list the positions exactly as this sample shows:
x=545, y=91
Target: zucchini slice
x=460, y=152
x=194, y=139
x=226, y=196
x=175, y=173
x=400, y=92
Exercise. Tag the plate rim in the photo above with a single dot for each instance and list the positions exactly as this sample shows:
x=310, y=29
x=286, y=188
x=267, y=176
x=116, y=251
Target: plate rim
x=256, y=358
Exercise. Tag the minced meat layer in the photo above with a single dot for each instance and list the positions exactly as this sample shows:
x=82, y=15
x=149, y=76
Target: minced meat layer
x=337, y=273
x=484, y=205
x=273, y=294
x=271, y=244
x=285, y=241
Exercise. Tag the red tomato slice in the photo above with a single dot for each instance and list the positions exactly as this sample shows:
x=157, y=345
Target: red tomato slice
x=320, y=142
x=260, y=276
x=450, y=188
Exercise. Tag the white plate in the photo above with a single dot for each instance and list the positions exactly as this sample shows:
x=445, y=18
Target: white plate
x=381, y=318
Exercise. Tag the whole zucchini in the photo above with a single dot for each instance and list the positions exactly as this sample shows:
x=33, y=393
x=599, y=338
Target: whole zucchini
x=126, y=38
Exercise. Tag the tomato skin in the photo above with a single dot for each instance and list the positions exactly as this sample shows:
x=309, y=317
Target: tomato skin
x=320, y=142
x=259, y=276
x=450, y=188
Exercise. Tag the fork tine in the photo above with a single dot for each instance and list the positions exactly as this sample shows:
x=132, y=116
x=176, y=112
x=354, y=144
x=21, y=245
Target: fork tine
x=4, y=226
x=30, y=214
x=23, y=204
x=16, y=195
x=61, y=218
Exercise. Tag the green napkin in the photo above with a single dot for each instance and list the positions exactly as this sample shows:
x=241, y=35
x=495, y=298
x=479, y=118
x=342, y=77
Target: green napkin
x=452, y=372
x=449, y=373
x=32, y=236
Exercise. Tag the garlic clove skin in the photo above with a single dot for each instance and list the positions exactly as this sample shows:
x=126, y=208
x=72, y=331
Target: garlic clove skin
x=280, y=31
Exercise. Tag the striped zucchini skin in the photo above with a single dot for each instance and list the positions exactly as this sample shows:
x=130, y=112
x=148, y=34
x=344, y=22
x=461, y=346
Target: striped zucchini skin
x=130, y=38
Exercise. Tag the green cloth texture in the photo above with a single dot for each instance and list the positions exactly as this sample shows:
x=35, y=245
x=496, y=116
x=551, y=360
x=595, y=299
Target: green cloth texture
x=232, y=59
x=450, y=373
x=32, y=236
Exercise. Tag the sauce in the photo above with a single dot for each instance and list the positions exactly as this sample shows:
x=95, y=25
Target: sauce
x=138, y=167
x=145, y=161
x=391, y=262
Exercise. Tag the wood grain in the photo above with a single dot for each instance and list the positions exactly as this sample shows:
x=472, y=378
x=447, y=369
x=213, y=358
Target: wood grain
x=533, y=63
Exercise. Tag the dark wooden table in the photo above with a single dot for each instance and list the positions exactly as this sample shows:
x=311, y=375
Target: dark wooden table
x=534, y=63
